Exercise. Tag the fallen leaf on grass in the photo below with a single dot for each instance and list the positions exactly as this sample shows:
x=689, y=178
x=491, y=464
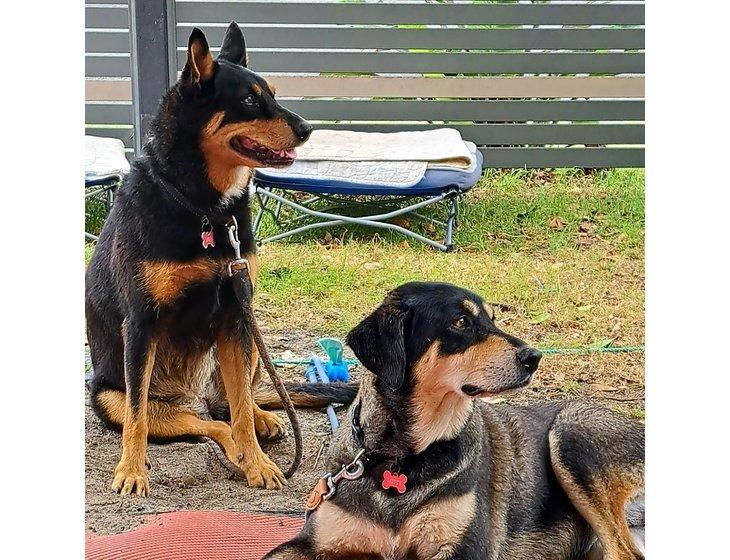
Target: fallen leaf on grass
x=556, y=223
x=402, y=222
x=602, y=388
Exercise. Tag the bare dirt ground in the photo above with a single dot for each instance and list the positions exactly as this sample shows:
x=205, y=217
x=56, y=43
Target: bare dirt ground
x=189, y=476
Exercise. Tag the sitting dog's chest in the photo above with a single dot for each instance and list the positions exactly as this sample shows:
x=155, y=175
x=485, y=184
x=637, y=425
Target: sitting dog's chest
x=194, y=298
x=166, y=282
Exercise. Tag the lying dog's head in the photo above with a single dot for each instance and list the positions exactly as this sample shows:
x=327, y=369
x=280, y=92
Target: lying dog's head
x=233, y=111
x=440, y=340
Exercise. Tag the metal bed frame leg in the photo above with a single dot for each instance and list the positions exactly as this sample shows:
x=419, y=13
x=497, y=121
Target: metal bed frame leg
x=451, y=222
x=109, y=185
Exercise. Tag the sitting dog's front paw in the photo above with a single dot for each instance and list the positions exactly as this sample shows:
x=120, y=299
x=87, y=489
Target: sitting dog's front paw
x=129, y=479
x=262, y=472
x=268, y=424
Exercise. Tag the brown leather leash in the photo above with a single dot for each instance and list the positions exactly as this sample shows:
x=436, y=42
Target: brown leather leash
x=238, y=270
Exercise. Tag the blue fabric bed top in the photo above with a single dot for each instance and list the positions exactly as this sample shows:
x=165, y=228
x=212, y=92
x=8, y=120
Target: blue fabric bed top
x=434, y=182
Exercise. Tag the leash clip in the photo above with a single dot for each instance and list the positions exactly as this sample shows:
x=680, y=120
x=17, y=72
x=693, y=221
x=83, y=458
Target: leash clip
x=238, y=263
x=352, y=471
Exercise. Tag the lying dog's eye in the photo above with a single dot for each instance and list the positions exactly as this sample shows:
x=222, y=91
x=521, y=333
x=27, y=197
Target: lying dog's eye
x=249, y=100
x=459, y=323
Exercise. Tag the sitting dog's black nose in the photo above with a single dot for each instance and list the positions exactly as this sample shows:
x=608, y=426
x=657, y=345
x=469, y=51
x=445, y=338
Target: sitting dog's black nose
x=529, y=358
x=303, y=129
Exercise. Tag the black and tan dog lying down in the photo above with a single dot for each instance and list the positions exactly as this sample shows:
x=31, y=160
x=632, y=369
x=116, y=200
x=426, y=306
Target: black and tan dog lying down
x=432, y=471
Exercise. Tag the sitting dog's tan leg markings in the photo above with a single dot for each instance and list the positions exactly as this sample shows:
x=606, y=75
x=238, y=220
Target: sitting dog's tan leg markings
x=130, y=475
x=602, y=502
x=170, y=421
x=268, y=424
x=236, y=372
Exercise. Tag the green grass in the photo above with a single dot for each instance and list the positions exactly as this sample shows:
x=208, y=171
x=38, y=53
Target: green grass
x=520, y=245
x=560, y=251
x=512, y=211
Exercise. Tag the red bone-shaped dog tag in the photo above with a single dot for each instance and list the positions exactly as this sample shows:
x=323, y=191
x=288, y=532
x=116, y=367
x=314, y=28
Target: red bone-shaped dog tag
x=397, y=481
x=208, y=239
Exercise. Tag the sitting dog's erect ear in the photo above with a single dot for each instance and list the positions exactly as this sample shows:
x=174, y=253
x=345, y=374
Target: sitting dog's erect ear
x=234, y=46
x=200, y=66
x=378, y=342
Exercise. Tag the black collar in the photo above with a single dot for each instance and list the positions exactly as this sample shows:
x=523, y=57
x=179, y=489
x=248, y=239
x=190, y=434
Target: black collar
x=357, y=433
x=205, y=215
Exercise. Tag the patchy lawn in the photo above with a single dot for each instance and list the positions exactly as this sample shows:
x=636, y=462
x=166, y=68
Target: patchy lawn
x=561, y=253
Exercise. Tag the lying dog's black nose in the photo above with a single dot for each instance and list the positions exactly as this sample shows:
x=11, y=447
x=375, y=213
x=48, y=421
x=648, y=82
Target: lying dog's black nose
x=529, y=358
x=303, y=129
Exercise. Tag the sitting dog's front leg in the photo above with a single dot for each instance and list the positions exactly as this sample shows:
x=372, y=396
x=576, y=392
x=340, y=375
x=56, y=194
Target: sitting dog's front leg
x=130, y=476
x=237, y=377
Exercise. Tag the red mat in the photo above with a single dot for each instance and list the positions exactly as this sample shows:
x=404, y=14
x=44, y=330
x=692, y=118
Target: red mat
x=188, y=535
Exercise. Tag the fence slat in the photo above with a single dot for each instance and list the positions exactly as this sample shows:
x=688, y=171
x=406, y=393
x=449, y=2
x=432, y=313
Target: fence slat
x=488, y=111
x=107, y=41
x=99, y=89
x=563, y=157
x=495, y=111
x=520, y=134
x=403, y=38
x=109, y=113
x=453, y=63
x=108, y=65
x=447, y=63
x=409, y=13
x=109, y=17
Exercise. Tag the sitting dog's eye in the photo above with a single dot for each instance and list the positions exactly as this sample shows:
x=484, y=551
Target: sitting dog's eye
x=249, y=100
x=459, y=323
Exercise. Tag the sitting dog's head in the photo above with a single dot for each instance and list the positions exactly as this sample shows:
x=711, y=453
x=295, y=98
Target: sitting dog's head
x=231, y=112
x=440, y=341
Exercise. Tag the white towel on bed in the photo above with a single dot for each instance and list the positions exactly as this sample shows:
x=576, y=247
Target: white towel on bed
x=104, y=156
x=442, y=145
x=385, y=173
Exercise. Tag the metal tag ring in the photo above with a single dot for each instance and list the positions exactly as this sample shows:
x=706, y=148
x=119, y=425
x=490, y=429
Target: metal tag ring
x=347, y=474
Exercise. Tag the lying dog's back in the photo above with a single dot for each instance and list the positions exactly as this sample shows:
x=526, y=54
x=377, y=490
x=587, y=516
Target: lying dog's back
x=530, y=450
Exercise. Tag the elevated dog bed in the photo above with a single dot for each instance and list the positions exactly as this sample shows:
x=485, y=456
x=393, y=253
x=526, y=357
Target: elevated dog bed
x=195, y=535
x=104, y=167
x=343, y=170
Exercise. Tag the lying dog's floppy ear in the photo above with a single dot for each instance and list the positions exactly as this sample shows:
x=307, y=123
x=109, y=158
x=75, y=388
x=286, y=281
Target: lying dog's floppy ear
x=200, y=66
x=378, y=342
x=234, y=46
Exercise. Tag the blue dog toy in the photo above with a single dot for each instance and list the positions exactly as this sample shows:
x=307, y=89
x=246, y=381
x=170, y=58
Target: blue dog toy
x=336, y=369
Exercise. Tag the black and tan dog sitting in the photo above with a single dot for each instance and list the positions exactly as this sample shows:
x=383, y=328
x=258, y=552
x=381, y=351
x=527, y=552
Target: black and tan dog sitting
x=165, y=331
x=431, y=471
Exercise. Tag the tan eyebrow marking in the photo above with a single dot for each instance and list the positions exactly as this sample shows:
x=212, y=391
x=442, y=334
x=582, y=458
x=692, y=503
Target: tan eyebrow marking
x=489, y=310
x=471, y=307
x=256, y=89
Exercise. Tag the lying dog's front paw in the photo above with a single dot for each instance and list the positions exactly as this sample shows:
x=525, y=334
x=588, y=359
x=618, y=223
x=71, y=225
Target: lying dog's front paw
x=129, y=479
x=268, y=424
x=262, y=472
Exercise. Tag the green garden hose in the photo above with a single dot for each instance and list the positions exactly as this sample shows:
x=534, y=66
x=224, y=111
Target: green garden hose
x=583, y=350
